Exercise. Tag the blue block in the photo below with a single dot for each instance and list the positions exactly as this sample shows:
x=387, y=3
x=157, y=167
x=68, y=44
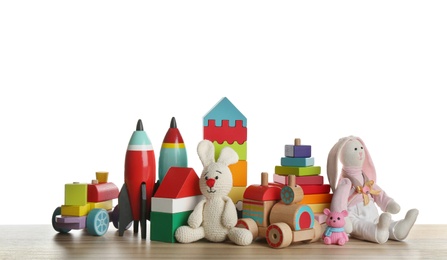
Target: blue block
x=298, y=151
x=299, y=162
x=224, y=110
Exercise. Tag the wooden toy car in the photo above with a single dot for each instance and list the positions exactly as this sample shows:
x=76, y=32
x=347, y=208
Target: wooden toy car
x=272, y=211
x=87, y=206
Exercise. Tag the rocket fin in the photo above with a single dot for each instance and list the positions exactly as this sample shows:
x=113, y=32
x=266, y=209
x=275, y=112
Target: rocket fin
x=143, y=213
x=125, y=210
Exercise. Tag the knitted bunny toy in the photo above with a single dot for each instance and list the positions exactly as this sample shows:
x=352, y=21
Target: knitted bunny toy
x=358, y=193
x=215, y=217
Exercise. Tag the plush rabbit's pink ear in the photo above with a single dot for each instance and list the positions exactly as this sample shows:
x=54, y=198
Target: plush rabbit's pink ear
x=368, y=165
x=332, y=162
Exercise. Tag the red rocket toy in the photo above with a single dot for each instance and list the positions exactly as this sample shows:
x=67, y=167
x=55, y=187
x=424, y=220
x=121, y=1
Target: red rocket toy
x=134, y=200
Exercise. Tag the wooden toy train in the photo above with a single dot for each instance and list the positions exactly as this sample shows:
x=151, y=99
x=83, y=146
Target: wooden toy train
x=88, y=206
x=272, y=211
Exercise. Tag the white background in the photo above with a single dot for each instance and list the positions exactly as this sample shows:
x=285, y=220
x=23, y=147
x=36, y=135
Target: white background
x=75, y=76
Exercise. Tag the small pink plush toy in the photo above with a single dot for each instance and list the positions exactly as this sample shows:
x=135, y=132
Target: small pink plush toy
x=335, y=232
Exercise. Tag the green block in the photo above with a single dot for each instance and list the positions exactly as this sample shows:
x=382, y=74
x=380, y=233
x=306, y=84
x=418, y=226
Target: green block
x=164, y=225
x=240, y=149
x=75, y=194
x=298, y=171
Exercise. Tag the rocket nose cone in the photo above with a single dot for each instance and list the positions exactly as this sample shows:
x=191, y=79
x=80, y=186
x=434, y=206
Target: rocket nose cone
x=173, y=123
x=140, y=125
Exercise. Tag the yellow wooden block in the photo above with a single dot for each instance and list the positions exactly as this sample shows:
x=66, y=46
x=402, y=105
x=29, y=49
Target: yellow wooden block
x=239, y=172
x=237, y=194
x=75, y=194
x=107, y=205
x=319, y=207
x=75, y=211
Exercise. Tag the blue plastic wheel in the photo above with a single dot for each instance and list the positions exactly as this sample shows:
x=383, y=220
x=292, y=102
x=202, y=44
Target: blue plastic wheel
x=97, y=222
x=56, y=213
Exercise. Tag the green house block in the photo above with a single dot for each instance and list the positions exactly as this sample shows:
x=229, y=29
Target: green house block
x=164, y=225
x=298, y=171
x=76, y=194
x=240, y=149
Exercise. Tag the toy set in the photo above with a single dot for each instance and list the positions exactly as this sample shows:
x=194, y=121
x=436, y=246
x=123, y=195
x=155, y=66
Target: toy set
x=87, y=206
x=218, y=206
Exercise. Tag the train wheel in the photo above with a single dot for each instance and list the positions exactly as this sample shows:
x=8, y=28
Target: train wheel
x=318, y=232
x=97, y=222
x=56, y=213
x=279, y=235
x=115, y=216
x=249, y=224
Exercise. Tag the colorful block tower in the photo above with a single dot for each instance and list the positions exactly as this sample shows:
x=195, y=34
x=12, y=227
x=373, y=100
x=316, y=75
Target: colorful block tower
x=173, y=202
x=298, y=161
x=225, y=125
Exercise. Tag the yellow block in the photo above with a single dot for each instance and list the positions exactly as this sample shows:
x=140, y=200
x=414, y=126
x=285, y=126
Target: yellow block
x=107, y=205
x=75, y=194
x=76, y=211
x=239, y=172
x=319, y=207
x=237, y=194
x=79, y=211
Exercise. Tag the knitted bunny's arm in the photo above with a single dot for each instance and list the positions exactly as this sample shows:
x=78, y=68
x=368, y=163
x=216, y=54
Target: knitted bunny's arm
x=340, y=201
x=385, y=202
x=229, y=215
x=196, y=217
x=341, y=195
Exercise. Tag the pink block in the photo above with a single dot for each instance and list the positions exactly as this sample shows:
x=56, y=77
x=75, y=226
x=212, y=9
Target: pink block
x=300, y=180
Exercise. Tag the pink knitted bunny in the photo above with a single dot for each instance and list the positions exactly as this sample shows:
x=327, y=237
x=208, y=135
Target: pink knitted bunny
x=356, y=191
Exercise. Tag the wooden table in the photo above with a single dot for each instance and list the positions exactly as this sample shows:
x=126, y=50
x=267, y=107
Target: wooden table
x=37, y=242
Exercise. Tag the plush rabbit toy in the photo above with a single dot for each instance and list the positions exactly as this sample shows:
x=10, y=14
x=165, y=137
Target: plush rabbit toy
x=358, y=193
x=215, y=217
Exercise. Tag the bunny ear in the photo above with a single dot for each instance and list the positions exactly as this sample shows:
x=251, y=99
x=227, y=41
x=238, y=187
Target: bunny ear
x=368, y=165
x=332, y=162
x=228, y=156
x=205, y=150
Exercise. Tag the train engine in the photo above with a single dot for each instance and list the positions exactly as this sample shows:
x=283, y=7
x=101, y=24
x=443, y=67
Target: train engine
x=87, y=206
x=272, y=211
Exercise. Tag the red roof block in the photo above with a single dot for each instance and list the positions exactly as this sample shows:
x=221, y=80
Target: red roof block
x=179, y=182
